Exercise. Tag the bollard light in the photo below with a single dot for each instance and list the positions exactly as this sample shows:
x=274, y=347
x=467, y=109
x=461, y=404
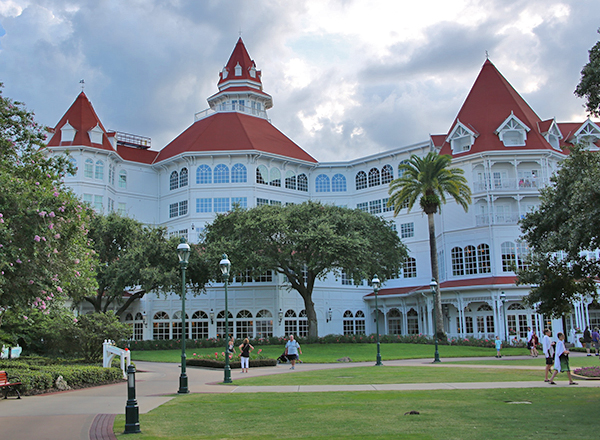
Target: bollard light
x=132, y=411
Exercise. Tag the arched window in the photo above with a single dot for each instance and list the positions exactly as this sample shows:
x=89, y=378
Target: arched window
x=244, y=327
x=290, y=323
x=394, y=322
x=174, y=180
x=203, y=175
x=111, y=174
x=275, y=179
x=374, y=179
x=99, y=170
x=88, y=168
x=160, y=326
x=410, y=268
x=199, y=325
x=262, y=175
x=338, y=183
x=239, y=174
x=348, y=322
x=361, y=180
x=412, y=322
x=302, y=182
x=517, y=321
x=360, y=323
x=264, y=324
x=322, y=183
x=290, y=180
x=73, y=162
x=401, y=170
x=221, y=174
x=176, y=325
x=458, y=267
x=221, y=323
x=123, y=179
x=387, y=174
x=183, y=178
x=302, y=324
x=138, y=327
x=483, y=258
x=509, y=259
x=470, y=260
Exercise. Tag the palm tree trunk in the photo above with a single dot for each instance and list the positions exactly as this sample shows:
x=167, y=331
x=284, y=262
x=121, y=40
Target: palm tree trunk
x=439, y=322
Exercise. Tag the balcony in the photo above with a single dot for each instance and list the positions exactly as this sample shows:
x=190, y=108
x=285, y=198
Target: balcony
x=511, y=218
x=520, y=184
x=224, y=108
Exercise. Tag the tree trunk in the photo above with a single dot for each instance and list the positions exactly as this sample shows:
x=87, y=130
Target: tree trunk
x=306, y=294
x=439, y=321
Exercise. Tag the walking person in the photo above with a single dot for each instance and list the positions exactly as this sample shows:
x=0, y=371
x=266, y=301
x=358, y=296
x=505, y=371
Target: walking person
x=548, y=351
x=231, y=348
x=498, y=343
x=596, y=340
x=587, y=340
x=561, y=360
x=291, y=350
x=533, y=343
x=245, y=349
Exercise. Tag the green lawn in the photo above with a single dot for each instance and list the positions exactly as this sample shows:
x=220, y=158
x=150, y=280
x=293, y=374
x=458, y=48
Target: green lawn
x=387, y=374
x=574, y=362
x=329, y=353
x=557, y=413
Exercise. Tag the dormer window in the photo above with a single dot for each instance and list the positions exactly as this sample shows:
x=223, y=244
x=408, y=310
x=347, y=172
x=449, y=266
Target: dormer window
x=512, y=132
x=253, y=72
x=461, y=138
x=67, y=133
x=588, y=134
x=238, y=70
x=96, y=135
x=224, y=73
x=553, y=136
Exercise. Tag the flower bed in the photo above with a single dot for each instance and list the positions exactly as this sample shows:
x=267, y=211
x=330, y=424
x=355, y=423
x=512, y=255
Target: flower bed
x=588, y=373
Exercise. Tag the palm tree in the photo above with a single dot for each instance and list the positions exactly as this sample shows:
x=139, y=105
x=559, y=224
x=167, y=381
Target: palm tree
x=428, y=180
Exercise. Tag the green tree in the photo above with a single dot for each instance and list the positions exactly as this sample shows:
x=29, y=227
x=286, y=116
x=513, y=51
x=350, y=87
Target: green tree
x=589, y=85
x=44, y=251
x=136, y=258
x=559, y=234
x=93, y=329
x=428, y=180
x=305, y=243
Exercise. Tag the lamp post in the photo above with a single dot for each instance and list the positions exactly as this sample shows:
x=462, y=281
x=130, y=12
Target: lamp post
x=132, y=411
x=183, y=252
x=433, y=286
x=503, y=299
x=376, y=285
x=225, y=266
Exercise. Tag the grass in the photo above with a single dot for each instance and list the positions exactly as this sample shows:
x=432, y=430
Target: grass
x=329, y=353
x=387, y=374
x=557, y=413
x=574, y=362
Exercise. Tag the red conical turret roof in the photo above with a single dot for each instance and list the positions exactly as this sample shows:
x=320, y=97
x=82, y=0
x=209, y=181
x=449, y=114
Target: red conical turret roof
x=82, y=117
x=239, y=57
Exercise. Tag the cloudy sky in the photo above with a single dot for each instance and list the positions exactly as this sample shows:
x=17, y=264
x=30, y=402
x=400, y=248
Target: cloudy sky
x=348, y=77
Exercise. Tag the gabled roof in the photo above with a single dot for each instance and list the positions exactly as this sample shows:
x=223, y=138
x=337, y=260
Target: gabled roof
x=137, y=154
x=488, y=104
x=82, y=117
x=235, y=132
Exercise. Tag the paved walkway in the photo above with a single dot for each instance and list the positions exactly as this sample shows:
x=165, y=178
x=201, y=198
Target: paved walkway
x=88, y=414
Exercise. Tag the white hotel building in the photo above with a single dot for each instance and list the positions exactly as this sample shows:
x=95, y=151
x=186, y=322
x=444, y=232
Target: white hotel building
x=232, y=154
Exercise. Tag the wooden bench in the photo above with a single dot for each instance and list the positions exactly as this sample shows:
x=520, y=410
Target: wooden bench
x=7, y=385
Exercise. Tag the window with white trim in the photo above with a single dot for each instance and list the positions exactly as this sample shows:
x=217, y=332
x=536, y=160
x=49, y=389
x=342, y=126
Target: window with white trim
x=407, y=230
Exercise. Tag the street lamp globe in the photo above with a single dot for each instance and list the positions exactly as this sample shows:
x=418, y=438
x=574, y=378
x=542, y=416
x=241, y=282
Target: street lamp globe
x=225, y=265
x=183, y=252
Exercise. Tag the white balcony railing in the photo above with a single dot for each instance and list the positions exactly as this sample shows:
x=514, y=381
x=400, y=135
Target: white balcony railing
x=231, y=108
x=511, y=218
x=509, y=184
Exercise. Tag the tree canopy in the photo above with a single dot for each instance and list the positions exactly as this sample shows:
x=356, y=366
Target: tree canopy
x=139, y=259
x=561, y=232
x=589, y=85
x=44, y=252
x=305, y=242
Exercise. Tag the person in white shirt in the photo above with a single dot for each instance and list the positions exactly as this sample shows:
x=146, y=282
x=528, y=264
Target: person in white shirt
x=561, y=360
x=548, y=350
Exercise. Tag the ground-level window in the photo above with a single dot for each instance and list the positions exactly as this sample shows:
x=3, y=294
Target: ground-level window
x=302, y=324
x=290, y=323
x=394, y=322
x=176, y=325
x=138, y=327
x=160, y=328
x=199, y=325
x=264, y=324
x=244, y=327
x=412, y=322
x=221, y=323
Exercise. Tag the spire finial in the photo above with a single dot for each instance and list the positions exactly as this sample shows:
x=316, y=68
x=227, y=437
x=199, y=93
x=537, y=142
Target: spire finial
x=487, y=56
x=240, y=32
x=82, y=82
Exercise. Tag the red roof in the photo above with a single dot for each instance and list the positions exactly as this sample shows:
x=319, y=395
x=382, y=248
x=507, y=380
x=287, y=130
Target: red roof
x=82, y=117
x=233, y=132
x=136, y=154
x=240, y=57
x=453, y=284
x=489, y=103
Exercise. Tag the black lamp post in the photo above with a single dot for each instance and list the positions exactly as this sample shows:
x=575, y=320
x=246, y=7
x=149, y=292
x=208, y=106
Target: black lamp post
x=183, y=252
x=376, y=285
x=503, y=299
x=132, y=411
x=225, y=266
x=433, y=286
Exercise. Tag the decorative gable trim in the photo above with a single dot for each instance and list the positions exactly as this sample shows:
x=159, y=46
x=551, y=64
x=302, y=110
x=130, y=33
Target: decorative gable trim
x=67, y=133
x=461, y=138
x=588, y=134
x=513, y=132
x=553, y=134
